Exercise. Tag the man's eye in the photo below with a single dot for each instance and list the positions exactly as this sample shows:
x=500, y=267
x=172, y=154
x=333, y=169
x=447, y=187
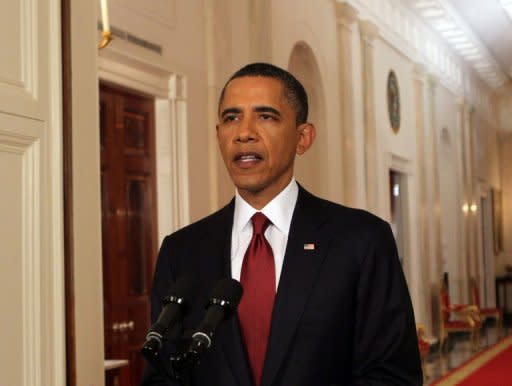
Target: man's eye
x=267, y=117
x=230, y=118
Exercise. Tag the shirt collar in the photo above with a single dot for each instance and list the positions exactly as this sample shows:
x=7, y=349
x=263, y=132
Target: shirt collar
x=279, y=210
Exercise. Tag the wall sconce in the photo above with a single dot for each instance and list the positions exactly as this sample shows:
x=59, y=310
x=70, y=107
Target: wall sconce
x=465, y=208
x=473, y=207
x=106, y=35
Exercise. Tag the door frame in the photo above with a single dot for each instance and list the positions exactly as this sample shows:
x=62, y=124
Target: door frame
x=486, y=264
x=169, y=88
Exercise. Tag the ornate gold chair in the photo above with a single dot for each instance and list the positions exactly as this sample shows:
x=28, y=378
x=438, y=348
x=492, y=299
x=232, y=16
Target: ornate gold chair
x=423, y=345
x=486, y=313
x=458, y=318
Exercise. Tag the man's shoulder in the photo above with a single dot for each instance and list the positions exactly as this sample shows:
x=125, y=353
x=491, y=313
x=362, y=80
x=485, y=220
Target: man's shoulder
x=342, y=215
x=221, y=218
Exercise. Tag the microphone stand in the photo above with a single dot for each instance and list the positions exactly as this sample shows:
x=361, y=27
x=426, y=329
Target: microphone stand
x=152, y=356
x=181, y=368
x=181, y=364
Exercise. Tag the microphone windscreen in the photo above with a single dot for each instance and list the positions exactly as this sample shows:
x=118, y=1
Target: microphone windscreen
x=227, y=293
x=184, y=288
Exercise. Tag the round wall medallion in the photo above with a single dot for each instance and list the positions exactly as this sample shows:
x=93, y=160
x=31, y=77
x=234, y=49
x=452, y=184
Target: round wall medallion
x=393, y=101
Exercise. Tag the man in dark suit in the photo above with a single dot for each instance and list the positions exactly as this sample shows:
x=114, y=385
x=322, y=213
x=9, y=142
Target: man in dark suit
x=325, y=300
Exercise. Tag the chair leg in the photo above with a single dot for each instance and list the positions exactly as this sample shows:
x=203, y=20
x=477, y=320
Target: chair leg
x=475, y=338
x=442, y=342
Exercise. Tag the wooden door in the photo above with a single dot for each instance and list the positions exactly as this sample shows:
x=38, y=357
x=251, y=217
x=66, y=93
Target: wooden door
x=129, y=234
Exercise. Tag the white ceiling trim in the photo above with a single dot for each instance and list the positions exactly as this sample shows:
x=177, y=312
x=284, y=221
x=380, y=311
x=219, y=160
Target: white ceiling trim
x=444, y=19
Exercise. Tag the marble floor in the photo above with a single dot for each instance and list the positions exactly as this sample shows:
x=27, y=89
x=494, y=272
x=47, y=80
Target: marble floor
x=459, y=351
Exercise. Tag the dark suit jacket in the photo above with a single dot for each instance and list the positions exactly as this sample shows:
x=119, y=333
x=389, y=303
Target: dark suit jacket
x=342, y=313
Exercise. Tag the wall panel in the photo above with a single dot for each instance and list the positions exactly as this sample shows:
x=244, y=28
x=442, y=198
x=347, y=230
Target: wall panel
x=31, y=260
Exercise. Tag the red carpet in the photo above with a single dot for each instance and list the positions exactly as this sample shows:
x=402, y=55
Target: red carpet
x=491, y=367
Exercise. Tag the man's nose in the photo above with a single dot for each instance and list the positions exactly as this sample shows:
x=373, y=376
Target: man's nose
x=245, y=131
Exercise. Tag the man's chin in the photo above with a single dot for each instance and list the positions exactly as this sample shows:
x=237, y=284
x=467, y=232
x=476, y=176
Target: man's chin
x=249, y=187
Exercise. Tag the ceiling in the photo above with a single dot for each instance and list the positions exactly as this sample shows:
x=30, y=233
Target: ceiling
x=492, y=25
x=480, y=31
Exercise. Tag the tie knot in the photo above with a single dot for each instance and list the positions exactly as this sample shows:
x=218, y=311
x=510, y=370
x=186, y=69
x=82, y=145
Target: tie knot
x=260, y=222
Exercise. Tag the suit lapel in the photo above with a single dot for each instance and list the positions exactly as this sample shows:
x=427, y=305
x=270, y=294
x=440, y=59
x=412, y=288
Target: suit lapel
x=305, y=251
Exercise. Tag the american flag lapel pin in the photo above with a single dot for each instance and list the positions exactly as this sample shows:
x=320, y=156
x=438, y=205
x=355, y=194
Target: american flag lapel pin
x=309, y=246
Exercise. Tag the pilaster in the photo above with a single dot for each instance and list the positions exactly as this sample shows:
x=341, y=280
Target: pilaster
x=433, y=194
x=426, y=283
x=464, y=203
x=353, y=182
x=212, y=92
x=368, y=32
x=260, y=30
x=470, y=184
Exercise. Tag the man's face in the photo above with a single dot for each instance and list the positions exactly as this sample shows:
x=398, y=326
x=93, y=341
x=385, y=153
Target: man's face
x=258, y=137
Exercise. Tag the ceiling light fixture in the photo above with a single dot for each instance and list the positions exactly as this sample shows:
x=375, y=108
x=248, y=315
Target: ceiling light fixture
x=106, y=35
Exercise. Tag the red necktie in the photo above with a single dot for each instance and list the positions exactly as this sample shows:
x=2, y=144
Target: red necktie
x=258, y=279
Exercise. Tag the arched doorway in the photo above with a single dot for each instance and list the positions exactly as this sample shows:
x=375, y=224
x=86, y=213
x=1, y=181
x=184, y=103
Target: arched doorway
x=311, y=168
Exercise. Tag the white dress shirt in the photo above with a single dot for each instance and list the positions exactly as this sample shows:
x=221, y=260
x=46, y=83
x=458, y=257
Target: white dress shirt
x=279, y=211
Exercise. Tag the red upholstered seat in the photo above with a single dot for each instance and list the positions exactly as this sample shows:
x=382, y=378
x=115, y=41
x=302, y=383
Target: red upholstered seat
x=461, y=324
x=490, y=311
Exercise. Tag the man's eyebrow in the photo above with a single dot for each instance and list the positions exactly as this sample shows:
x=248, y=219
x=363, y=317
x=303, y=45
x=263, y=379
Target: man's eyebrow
x=267, y=109
x=258, y=109
x=230, y=110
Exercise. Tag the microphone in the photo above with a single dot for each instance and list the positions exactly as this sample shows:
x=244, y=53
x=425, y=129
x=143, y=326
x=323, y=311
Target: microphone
x=175, y=305
x=222, y=303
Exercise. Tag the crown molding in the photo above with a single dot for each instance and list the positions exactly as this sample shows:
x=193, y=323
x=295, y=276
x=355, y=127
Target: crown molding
x=442, y=17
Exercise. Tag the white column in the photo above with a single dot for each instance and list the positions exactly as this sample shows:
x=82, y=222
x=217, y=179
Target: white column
x=471, y=194
x=429, y=221
x=260, y=28
x=422, y=278
x=369, y=32
x=464, y=204
x=350, y=98
x=213, y=166
x=432, y=187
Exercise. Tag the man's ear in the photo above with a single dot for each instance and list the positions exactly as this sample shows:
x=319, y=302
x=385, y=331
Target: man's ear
x=307, y=134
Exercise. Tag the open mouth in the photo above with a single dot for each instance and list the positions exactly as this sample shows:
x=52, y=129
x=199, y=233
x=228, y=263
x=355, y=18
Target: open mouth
x=247, y=160
x=247, y=157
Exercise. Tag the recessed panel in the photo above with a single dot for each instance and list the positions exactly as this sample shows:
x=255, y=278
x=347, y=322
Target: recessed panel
x=11, y=266
x=137, y=248
x=24, y=57
x=11, y=42
x=135, y=133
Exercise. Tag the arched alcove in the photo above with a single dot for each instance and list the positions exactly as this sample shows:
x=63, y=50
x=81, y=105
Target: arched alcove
x=311, y=168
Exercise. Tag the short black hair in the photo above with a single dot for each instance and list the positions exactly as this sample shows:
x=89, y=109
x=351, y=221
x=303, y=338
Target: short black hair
x=293, y=90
